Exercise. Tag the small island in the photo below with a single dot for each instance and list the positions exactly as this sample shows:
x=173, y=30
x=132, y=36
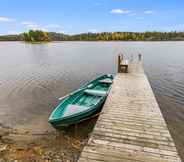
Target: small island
x=36, y=36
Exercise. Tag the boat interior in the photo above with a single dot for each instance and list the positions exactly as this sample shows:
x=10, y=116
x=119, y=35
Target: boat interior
x=89, y=97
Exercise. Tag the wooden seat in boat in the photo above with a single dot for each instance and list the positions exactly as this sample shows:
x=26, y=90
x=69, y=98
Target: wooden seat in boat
x=95, y=92
x=107, y=80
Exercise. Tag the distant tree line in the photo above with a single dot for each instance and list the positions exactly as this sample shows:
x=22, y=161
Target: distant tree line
x=128, y=36
x=10, y=38
x=39, y=36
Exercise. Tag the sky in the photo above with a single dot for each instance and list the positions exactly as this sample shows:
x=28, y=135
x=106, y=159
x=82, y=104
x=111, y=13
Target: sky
x=79, y=16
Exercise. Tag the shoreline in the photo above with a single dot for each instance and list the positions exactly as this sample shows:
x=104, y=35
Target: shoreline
x=92, y=41
x=21, y=146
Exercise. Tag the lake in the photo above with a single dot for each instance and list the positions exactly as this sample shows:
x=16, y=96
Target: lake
x=34, y=76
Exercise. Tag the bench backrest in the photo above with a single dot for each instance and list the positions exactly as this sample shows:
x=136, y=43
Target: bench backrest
x=125, y=62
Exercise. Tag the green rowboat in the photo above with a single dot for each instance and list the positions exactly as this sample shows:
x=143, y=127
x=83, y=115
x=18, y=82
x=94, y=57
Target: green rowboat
x=82, y=103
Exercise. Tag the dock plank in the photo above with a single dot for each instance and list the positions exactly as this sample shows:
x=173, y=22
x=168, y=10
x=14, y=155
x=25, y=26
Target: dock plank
x=131, y=127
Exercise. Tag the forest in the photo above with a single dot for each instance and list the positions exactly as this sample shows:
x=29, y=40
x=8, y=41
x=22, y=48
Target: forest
x=41, y=36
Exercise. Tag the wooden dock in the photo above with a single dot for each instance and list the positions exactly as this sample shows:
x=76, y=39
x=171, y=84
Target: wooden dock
x=131, y=127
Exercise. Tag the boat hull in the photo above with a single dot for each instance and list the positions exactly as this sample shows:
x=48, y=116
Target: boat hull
x=81, y=104
x=63, y=124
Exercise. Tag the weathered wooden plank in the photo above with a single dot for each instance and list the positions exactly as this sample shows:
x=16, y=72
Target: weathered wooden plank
x=138, y=138
x=131, y=127
x=110, y=152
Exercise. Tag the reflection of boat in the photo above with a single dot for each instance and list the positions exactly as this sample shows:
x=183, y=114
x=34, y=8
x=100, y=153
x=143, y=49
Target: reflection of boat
x=81, y=103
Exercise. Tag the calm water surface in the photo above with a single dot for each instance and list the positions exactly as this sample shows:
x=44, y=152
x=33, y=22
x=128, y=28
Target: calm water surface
x=34, y=76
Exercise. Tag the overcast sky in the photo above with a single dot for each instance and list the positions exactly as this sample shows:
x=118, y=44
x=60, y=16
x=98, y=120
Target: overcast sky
x=77, y=16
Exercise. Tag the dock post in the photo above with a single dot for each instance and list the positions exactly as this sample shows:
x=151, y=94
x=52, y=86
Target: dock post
x=76, y=130
x=61, y=138
x=122, y=57
x=119, y=63
x=140, y=57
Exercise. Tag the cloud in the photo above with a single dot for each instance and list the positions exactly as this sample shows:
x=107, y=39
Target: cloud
x=12, y=32
x=132, y=14
x=6, y=19
x=52, y=26
x=93, y=31
x=32, y=25
x=149, y=12
x=47, y=27
x=120, y=11
x=62, y=31
x=176, y=27
x=36, y=26
x=27, y=22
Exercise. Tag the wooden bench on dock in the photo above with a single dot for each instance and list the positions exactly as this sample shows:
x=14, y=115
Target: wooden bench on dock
x=122, y=64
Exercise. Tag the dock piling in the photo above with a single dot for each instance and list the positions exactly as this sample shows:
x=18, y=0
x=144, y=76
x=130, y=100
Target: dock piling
x=119, y=63
x=140, y=57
